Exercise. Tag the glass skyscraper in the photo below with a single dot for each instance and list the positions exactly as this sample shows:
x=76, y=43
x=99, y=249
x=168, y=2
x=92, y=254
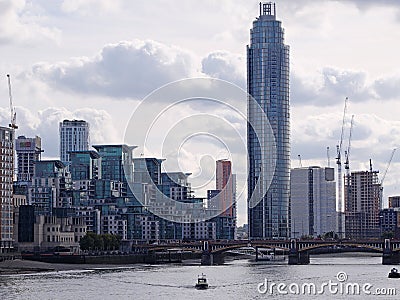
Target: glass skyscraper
x=268, y=84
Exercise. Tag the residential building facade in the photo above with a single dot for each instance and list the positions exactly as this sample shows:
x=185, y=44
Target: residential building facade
x=363, y=200
x=313, y=201
x=74, y=136
x=6, y=188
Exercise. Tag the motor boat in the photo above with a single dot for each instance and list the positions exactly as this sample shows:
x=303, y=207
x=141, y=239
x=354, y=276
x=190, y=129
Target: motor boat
x=394, y=273
x=201, y=282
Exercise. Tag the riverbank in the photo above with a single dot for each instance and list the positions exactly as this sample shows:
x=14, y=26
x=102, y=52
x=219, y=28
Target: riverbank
x=19, y=266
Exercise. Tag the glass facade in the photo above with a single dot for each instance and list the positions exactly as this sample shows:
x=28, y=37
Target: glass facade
x=268, y=84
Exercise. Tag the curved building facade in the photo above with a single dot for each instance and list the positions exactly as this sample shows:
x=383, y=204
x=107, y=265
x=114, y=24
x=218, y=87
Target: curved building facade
x=268, y=84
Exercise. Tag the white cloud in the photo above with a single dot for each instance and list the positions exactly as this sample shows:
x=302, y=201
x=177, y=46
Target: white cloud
x=90, y=7
x=227, y=66
x=45, y=123
x=128, y=69
x=20, y=26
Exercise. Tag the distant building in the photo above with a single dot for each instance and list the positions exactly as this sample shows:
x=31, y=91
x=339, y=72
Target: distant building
x=46, y=233
x=85, y=165
x=117, y=163
x=394, y=201
x=313, y=201
x=363, y=198
x=222, y=200
x=6, y=188
x=390, y=222
x=147, y=170
x=176, y=186
x=225, y=182
x=51, y=187
x=114, y=224
x=74, y=136
x=28, y=152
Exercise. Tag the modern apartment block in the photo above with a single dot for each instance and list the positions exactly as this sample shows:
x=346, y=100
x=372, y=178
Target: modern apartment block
x=313, y=201
x=28, y=152
x=6, y=188
x=74, y=136
x=268, y=85
x=225, y=182
x=363, y=198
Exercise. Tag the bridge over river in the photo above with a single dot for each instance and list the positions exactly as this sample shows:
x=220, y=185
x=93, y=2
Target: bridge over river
x=298, y=251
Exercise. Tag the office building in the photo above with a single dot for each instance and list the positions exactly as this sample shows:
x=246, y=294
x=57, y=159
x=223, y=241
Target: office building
x=313, y=201
x=394, y=201
x=74, y=136
x=6, y=188
x=28, y=152
x=363, y=198
x=268, y=84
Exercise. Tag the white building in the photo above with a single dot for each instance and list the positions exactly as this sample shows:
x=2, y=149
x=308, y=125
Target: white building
x=74, y=136
x=113, y=224
x=313, y=201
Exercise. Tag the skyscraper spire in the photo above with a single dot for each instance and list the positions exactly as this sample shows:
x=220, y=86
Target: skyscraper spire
x=268, y=84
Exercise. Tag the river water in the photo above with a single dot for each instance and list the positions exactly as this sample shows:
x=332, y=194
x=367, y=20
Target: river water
x=237, y=279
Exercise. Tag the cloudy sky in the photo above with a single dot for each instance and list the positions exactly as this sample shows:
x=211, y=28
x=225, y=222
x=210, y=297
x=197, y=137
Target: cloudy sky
x=97, y=59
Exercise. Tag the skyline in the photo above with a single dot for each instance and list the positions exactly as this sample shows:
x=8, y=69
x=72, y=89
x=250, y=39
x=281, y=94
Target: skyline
x=339, y=57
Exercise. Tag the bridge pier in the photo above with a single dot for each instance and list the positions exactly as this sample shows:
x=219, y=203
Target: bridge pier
x=389, y=256
x=297, y=257
x=210, y=259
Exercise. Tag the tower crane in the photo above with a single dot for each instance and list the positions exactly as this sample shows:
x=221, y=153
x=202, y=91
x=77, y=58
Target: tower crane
x=339, y=165
x=388, y=165
x=13, y=114
x=347, y=152
x=347, y=161
x=384, y=176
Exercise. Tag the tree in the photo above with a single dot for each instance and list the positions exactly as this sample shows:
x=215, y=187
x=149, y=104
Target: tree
x=108, y=241
x=87, y=242
x=98, y=242
x=388, y=235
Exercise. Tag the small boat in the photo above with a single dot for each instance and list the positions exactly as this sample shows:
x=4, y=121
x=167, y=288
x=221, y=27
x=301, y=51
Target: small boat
x=201, y=282
x=394, y=273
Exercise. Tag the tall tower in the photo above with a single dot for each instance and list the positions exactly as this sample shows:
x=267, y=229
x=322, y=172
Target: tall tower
x=225, y=182
x=268, y=84
x=74, y=136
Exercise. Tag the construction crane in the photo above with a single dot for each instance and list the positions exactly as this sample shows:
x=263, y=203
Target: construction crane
x=339, y=165
x=347, y=162
x=300, y=164
x=347, y=152
x=13, y=114
x=388, y=165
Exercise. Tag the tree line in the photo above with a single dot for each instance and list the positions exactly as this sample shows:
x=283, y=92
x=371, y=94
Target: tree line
x=99, y=242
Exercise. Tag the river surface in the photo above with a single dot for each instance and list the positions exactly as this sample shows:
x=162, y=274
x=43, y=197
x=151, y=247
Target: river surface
x=237, y=279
